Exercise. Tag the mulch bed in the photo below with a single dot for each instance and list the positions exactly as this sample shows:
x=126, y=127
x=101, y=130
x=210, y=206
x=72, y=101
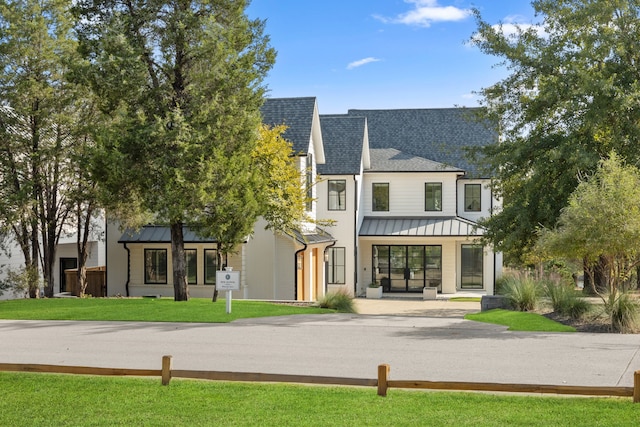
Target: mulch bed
x=589, y=324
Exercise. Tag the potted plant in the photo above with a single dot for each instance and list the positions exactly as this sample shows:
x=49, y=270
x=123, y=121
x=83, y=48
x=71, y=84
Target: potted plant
x=374, y=290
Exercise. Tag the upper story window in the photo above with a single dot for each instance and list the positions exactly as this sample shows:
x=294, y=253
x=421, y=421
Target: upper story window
x=309, y=182
x=472, y=197
x=380, y=196
x=337, y=195
x=433, y=196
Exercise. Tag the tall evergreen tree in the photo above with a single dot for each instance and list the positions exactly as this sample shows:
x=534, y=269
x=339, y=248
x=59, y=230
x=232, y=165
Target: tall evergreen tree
x=182, y=81
x=36, y=120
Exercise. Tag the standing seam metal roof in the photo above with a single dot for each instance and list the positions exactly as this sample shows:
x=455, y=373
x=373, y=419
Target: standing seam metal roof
x=419, y=227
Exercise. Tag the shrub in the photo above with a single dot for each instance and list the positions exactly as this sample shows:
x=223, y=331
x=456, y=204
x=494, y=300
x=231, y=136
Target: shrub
x=622, y=309
x=341, y=301
x=523, y=293
x=565, y=301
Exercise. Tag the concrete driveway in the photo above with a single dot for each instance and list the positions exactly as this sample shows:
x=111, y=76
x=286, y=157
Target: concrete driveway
x=422, y=342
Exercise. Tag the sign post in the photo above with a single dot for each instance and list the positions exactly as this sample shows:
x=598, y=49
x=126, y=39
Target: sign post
x=229, y=281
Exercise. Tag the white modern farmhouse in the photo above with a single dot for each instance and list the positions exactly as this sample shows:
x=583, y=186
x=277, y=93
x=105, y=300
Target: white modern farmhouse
x=396, y=183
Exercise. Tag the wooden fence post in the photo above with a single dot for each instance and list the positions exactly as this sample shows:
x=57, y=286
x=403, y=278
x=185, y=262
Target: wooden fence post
x=166, y=369
x=383, y=379
x=636, y=387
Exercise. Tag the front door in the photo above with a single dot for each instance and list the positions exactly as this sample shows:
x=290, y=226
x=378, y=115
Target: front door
x=407, y=268
x=66, y=264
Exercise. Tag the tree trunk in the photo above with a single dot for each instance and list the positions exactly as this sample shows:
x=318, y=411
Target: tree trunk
x=599, y=278
x=180, y=286
x=82, y=241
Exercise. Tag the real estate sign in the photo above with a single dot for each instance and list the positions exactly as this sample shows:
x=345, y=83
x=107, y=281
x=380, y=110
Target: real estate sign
x=228, y=280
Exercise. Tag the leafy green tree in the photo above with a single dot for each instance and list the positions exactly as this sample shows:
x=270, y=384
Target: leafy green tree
x=282, y=197
x=601, y=225
x=36, y=119
x=182, y=82
x=571, y=97
x=601, y=222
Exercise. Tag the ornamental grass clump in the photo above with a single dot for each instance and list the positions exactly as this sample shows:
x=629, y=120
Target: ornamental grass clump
x=565, y=301
x=341, y=301
x=622, y=310
x=523, y=293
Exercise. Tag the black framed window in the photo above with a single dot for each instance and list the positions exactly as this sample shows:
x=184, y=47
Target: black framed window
x=210, y=266
x=472, y=199
x=336, y=266
x=155, y=266
x=433, y=196
x=191, y=258
x=472, y=267
x=309, y=182
x=380, y=192
x=337, y=194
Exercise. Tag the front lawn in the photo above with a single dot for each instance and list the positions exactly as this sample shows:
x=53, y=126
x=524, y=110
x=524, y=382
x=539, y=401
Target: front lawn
x=145, y=309
x=519, y=321
x=56, y=400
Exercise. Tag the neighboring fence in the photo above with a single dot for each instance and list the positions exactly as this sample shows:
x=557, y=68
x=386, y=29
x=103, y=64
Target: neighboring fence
x=96, y=281
x=383, y=383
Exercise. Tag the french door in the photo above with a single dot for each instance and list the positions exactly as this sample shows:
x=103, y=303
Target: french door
x=407, y=268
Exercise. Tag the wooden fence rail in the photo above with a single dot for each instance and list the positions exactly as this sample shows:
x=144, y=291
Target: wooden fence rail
x=383, y=383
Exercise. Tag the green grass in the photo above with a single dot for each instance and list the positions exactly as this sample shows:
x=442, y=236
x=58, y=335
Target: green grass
x=519, y=321
x=466, y=299
x=64, y=400
x=145, y=309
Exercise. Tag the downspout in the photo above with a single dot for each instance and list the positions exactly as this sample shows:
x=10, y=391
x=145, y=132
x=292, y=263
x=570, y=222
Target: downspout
x=295, y=271
x=356, y=209
x=106, y=255
x=126, y=286
x=493, y=249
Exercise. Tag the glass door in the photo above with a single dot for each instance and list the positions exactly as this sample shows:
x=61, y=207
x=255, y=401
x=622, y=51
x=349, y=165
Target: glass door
x=404, y=268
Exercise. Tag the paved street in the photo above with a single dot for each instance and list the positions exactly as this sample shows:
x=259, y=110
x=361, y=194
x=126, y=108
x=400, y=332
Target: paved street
x=420, y=341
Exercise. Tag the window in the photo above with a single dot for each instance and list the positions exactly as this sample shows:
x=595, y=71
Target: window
x=433, y=196
x=155, y=266
x=472, y=274
x=336, y=273
x=309, y=182
x=380, y=196
x=472, y=197
x=337, y=195
x=191, y=258
x=210, y=266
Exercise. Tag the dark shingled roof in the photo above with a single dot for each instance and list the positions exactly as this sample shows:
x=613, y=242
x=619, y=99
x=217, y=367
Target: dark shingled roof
x=296, y=114
x=392, y=160
x=160, y=234
x=343, y=138
x=440, y=135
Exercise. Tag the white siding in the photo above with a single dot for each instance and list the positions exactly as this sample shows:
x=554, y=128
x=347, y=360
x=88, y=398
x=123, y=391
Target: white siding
x=486, y=203
x=406, y=193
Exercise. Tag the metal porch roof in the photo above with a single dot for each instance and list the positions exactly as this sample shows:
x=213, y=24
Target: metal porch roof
x=419, y=227
x=160, y=234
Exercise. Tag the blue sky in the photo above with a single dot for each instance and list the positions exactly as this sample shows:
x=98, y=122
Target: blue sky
x=382, y=54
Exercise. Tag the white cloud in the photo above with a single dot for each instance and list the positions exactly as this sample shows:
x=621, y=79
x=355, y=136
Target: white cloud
x=511, y=27
x=361, y=62
x=425, y=13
